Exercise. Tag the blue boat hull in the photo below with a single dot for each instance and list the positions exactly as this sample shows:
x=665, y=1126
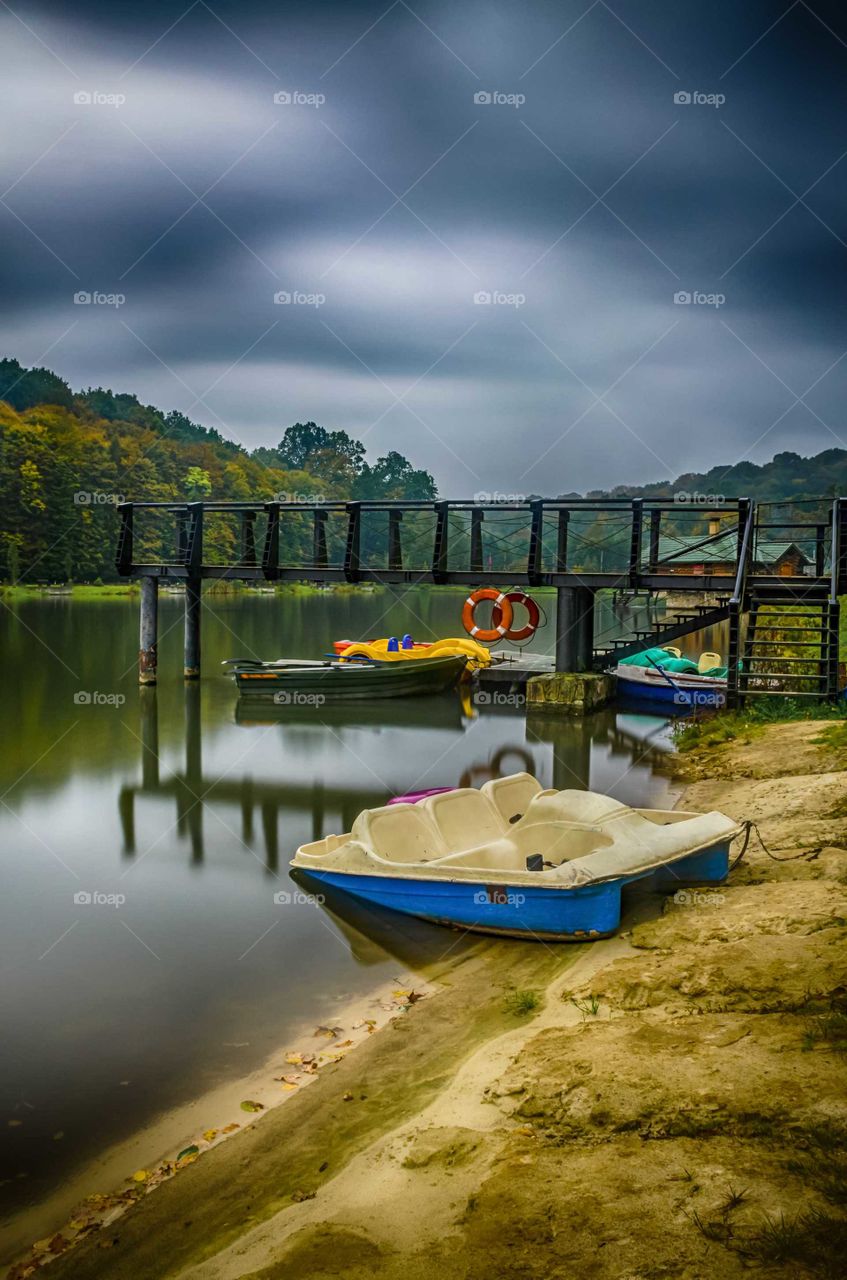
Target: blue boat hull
x=544, y=914
x=663, y=695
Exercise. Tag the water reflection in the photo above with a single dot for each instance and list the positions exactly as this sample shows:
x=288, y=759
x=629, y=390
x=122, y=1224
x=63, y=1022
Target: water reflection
x=190, y=803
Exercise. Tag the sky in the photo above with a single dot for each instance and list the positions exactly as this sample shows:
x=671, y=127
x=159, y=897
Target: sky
x=536, y=247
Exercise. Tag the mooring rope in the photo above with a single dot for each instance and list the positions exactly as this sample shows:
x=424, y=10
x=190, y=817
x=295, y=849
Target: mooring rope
x=749, y=827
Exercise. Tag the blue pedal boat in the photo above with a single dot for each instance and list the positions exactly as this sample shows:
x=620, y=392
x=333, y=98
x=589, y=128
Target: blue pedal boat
x=515, y=860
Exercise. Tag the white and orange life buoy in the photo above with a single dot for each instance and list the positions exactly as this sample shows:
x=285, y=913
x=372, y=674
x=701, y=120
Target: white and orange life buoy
x=501, y=618
x=533, y=616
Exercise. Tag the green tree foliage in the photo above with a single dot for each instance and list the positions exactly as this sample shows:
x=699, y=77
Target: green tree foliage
x=23, y=388
x=67, y=459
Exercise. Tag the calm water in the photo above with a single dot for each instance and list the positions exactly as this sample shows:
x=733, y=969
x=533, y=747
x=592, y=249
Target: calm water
x=189, y=809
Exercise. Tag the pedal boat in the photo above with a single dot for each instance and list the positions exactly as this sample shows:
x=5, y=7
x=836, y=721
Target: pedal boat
x=516, y=860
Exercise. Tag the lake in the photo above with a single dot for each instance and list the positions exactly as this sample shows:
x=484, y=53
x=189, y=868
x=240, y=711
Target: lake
x=145, y=834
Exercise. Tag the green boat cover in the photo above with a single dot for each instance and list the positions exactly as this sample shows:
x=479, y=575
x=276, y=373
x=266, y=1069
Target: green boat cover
x=661, y=658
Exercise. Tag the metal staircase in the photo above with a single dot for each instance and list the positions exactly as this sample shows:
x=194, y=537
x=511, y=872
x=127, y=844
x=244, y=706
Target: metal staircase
x=789, y=647
x=673, y=628
x=791, y=644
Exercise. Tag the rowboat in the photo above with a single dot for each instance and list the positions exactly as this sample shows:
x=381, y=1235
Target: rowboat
x=518, y=861
x=662, y=677
x=673, y=690
x=302, y=682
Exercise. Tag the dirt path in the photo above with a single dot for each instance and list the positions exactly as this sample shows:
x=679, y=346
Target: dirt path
x=676, y=1107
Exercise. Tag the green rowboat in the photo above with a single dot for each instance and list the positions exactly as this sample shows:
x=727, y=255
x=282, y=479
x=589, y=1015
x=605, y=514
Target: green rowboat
x=297, y=681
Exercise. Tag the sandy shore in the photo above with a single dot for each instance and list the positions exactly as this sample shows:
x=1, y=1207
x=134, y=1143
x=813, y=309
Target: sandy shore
x=674, y=1107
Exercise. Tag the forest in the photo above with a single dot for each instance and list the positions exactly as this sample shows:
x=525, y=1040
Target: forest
x=68, y=458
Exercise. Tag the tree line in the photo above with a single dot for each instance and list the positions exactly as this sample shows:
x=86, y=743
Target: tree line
x=67, y=458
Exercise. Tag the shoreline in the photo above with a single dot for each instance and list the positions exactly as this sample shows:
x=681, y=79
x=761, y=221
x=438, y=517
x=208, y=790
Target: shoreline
x=105, y=1187
x=688, y=1071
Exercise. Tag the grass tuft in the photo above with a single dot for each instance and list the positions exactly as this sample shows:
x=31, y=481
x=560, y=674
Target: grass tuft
x=589, y=1008
x=521, y=1003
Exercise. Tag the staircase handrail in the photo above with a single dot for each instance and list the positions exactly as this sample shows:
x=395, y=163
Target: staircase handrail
x=744, y=557
x=835, y=564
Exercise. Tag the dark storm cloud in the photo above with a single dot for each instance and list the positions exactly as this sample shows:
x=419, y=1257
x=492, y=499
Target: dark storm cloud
x=399, y=198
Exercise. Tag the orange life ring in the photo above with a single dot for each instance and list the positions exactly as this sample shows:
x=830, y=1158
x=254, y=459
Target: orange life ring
x=533, y=616
x=501, y=617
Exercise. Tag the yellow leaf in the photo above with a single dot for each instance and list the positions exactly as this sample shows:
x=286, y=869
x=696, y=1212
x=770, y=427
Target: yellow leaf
x=249, y=1105
x=209, y=1135
x=401, y=995
x=140, y=1175
x=288, y=1086
x=294, y=1058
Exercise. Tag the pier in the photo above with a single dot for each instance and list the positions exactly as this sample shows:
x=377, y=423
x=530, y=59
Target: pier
x=765, y=568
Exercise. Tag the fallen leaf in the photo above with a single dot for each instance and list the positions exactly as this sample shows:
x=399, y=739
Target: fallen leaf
x=15, y=1124
x=230, y=1128
x=58, y=1244
x=347, y=1097
x=287, y=1085
x=294, y=1058
x=331, y=1032
x=193, y=1150
x=248, y=1105
x=209, y=1135
x=414, y=996
x=344, y=1044
x=140, y=1175
x=401, y=995
x=302, y=1195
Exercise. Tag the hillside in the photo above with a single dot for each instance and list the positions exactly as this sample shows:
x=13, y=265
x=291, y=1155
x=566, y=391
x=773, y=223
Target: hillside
x=67, y=458
x=787, y=476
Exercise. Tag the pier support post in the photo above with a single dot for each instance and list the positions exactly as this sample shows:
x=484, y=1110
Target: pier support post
x=148, y=631
x=191, y=658
x=574, y=628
